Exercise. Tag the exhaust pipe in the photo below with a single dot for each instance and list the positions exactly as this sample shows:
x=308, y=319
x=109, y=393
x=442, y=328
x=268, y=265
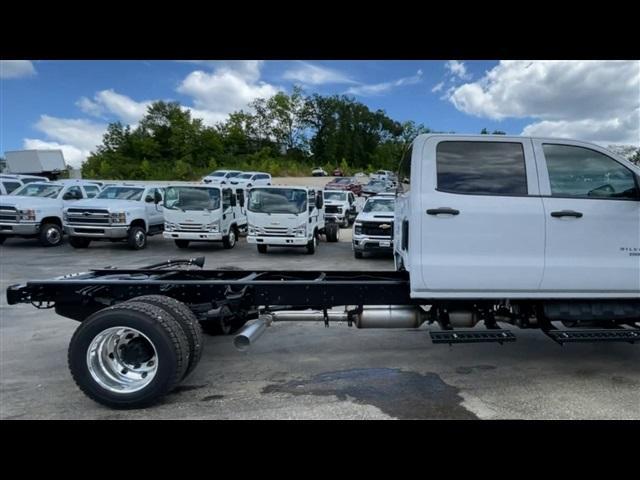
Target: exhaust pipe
x=251, y=333
x=392, y=316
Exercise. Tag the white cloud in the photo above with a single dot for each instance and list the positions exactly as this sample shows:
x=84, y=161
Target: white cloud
x=225, y=90
x=457, y=69
x=108, y=101
x=310, y=74
x=380, y=88
x=437, y=87
x=247, y=69
x=90, y=107
x=16, y=69
x=589, y=100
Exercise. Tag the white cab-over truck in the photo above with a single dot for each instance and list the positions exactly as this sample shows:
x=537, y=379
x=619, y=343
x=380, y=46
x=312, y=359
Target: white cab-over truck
x=284, y=216
x=490, y=232
x=123, y=212
x=340, y=207
x=373, y=227
x=35, y=210
x=202, y=213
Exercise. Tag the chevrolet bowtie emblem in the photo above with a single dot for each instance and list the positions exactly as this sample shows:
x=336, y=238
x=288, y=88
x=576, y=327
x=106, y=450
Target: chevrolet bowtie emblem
x=385, y=226
x=86, y=214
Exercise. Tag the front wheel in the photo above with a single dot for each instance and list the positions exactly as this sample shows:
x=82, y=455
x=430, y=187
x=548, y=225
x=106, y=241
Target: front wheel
x=50, y=235
x=2, y=239
x=79, y=242
x=312, y=245
x=182, y=243
x=129, y=355
x=357, y=254
x=332, y=232
x=229, y=241
x=137, y=238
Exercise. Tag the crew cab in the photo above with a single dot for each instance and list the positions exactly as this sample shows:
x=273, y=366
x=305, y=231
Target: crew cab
x=125, y=212
x=221, y=177
x=373, y=227
x=9, y=184
x=287, y=217
x=202, y=213
x=374, y=187
x=35, y=210
x=250, y=179
x=24, y=178
x=340, y=207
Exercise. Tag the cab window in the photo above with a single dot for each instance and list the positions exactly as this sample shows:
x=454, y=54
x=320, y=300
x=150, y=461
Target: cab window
x=11, y=186
x=226, y=198
x=91, y=190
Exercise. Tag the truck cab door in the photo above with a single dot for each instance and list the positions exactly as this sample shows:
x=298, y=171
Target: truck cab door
x=228, y=213
x=155, y=215
x=592, y=214
x=480, y=217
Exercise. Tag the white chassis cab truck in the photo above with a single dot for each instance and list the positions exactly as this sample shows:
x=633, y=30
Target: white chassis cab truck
x=35, y=210
x=340, y=207
x=286, y=216
x=122, y=212
x=202, y=213
x=373, y=228
x=491, y=232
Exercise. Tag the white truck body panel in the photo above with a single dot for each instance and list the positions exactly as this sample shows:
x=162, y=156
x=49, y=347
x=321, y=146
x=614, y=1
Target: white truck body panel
x=35, y=161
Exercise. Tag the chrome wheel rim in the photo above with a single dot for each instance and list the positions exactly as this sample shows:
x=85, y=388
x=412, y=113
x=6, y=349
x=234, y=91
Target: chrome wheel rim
x=53, y=235
x=232, y=238
x=122, y=360
x=139, y=238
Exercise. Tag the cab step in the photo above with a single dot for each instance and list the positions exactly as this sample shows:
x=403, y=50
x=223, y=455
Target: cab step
x=472, y=336
x=605, y=335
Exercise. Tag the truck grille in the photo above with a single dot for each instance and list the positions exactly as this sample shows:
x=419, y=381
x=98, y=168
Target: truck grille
x=332, y=209
x=275, y=232
x=376, y=229
x=87, y=216
x=191, y=227
x=8, y=214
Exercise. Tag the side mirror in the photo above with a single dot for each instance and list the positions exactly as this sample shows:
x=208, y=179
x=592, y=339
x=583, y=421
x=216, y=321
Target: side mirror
x=240, y=195
x=149, y=199
x=319, y=202
x=157, y=198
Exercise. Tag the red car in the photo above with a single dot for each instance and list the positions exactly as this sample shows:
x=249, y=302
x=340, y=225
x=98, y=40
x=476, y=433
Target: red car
x=345, y=183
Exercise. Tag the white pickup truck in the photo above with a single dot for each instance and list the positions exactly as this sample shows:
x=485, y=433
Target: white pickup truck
x=35, y=210
x=340, y=206
x=202, y=213
x=119, y=212
x=373, y=227
x=287, y=217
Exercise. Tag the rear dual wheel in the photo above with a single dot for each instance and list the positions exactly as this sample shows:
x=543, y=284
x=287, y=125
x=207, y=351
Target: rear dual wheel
x=132, y=354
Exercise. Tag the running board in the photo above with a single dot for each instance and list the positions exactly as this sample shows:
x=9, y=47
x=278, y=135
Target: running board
x=472, y=336
x=608, y=335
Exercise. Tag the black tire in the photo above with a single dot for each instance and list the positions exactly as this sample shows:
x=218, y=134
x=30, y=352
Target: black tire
x=311, y=246
x=160, y=328
x=262, y=248
x=357, y=254
x=137, y=238
x=182, y=243
x=226, y=324
x=2, y=239
x=332, y=231
x=50, y=235
x=187, y=320
x=229, y=241
x=79, y=242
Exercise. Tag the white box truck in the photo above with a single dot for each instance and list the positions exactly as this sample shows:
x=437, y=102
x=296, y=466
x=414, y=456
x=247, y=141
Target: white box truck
x=49, y=163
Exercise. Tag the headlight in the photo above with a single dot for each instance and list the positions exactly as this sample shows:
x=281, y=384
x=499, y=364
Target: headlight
x=170, y=226
x=118, y=217
x=357, y=229
x=252, y=231
x=28, y=215
x=300, y=231
x=65, y=217
x=214, y=227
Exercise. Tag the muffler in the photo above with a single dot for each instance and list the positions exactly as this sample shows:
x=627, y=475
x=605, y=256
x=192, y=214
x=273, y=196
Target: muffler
x=391, y=316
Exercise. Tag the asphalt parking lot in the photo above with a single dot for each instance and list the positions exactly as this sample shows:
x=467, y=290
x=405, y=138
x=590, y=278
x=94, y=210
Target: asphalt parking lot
x=306, y=371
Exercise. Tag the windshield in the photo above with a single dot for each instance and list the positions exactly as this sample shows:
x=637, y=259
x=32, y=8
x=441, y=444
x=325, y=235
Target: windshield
x=121, y=193
x=217, y=173
x=342, y=180
x=339, y=196
x=379, y=205
x=277, y=200
x=233, y=174
x=246, y=176
x=191, y=198
x=44, y=190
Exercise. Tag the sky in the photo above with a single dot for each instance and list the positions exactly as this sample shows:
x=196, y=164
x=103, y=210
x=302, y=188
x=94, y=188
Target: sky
x=68, y=104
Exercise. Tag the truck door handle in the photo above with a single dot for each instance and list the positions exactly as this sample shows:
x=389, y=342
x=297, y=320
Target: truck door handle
x=566, y=213
x=443, y=211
